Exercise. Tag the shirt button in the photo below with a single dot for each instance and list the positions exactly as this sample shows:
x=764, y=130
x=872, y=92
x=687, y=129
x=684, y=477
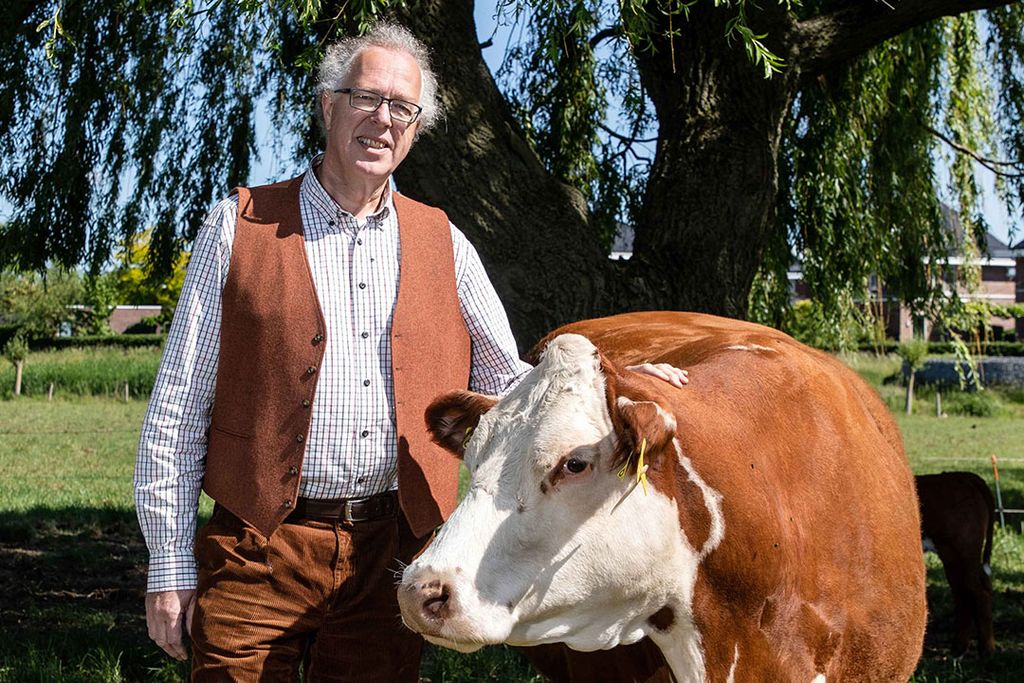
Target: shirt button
x=299, y=438
x=293, y=470
x=365, y=433
x=361, y=480
x=330, y=223
x=318, y=338
x=364, y=335
x=362, y=285
x=359, y=241
x=305, y=403
x=366, y=382
x=310, y=370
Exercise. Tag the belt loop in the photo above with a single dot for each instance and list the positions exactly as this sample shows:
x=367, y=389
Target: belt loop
x=347, y=513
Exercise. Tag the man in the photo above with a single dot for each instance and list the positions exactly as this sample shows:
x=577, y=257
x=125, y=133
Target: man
x=318, y=318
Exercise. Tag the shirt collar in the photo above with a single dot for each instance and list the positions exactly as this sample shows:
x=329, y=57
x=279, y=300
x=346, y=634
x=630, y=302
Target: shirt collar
x=324, y=204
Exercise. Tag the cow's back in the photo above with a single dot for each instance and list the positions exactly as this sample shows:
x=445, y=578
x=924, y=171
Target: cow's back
x=821, y=521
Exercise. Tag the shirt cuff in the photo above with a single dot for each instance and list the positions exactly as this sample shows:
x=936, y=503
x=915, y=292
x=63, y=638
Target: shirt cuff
x=171, y=572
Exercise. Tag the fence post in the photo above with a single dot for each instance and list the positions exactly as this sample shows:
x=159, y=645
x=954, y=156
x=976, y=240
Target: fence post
x=938, y=403
x=126, y=392
x=49, y=393
x=999, y=494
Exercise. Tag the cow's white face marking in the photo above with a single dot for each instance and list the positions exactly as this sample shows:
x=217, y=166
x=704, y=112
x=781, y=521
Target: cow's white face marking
x=533, y=554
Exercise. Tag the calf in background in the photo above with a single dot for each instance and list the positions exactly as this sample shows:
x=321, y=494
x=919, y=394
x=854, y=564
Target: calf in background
x=957, y=518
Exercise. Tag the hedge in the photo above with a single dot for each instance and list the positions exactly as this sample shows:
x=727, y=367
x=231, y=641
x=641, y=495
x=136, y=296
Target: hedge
x=999, y=348
x=123, y=341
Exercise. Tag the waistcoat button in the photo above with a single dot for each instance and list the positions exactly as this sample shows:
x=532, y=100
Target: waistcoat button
x=310, y=370
x=318, y=338
x=299, y=438
x=293, y=470
x=286, y=504
x=305, y=403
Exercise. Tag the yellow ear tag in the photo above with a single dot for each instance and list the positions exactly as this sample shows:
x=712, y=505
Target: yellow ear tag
x=641, y=471
x=622, y=472
x=465, y=440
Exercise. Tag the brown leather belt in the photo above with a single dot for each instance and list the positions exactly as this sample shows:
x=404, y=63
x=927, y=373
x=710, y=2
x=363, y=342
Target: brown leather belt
x=345, y=509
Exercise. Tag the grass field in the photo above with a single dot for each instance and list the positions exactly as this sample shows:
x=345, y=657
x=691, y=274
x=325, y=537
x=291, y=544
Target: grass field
x=72, y=563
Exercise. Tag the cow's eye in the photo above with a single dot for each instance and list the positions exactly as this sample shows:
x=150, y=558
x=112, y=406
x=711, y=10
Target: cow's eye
x=576, y=466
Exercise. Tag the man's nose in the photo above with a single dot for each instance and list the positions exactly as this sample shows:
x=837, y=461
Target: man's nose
x=382, y=115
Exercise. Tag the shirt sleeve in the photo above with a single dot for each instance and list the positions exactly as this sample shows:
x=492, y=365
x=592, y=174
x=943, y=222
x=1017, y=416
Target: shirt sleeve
x=495, y=366
x=172, y=447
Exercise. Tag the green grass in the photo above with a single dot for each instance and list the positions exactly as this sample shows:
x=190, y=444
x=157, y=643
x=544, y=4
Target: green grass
x=98, y=371
x=72, y=562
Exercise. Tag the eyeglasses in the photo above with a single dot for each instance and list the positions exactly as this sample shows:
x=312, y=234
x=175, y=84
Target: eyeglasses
x=367, y=100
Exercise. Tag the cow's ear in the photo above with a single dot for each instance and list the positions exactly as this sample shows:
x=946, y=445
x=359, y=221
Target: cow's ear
x=452, y=417
x=636, y=417
x=638, y=421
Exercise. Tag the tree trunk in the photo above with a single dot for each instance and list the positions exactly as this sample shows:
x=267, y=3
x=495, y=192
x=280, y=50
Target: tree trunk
x=710, y=205
x=17, y=377
x=908, y=406
x=710, y=202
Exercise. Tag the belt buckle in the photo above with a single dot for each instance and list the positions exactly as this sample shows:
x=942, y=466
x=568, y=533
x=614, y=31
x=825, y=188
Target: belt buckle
x=346, y=511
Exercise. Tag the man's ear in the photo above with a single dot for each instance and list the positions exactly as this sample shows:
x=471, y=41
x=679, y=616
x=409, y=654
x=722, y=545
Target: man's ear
x=452, y=417
x=327, y=108
x=637, y=418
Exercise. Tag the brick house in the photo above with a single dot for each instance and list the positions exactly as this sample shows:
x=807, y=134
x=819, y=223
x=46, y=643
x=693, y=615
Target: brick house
x=1002, y=283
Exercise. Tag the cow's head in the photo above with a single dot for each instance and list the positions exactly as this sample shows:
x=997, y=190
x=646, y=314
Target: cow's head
x=544, y=547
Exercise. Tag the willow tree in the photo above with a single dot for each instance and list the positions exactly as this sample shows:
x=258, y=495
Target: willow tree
x=808, y=128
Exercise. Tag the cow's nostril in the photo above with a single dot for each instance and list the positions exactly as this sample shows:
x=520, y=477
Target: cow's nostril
x=436, y=605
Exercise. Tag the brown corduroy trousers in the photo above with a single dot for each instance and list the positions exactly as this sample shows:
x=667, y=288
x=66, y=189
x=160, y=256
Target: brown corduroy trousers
x=317, y=594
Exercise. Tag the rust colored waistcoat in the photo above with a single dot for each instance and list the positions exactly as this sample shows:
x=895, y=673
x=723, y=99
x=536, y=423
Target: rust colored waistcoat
x=272, y=343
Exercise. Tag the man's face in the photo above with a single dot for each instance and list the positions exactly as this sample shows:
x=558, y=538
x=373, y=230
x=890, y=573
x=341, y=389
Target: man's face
x=370, y=145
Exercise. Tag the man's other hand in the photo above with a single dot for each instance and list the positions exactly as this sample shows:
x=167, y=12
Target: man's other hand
x=166, y=613
x=669, y=373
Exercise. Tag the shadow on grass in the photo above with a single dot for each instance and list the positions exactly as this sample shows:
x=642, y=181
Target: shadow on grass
x=73, y=581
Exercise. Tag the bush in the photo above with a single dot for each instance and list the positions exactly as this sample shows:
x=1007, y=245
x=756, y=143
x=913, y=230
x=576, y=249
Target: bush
x=973, y=404
x=1000, y=348
x=121, y=341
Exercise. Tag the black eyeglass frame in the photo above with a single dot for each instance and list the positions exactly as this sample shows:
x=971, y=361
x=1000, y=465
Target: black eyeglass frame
x=417, y=109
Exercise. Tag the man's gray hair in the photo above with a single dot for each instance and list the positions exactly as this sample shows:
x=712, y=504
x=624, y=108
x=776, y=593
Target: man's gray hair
x=341, y=55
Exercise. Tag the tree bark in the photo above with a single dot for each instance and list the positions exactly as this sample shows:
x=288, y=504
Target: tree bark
x=712, y=191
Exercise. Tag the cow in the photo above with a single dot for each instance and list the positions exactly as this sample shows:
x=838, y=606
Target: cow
x=759, y=524
x=958, y=514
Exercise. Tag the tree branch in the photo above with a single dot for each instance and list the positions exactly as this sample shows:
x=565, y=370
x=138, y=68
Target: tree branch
x=623, y=138
x=604, y=34
x=990, y=164
x=836, y=37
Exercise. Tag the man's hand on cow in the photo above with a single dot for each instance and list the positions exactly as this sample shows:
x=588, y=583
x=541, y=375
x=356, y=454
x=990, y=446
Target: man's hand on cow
x=166, y=613
x=669, y=373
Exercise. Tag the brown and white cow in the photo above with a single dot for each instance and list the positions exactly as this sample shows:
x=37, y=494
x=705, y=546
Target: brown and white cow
x=958, y=513
x=778, y=538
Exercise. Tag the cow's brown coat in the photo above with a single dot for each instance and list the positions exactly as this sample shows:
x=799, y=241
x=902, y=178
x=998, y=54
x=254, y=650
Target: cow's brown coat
x=803, y=495
x=958, y=515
